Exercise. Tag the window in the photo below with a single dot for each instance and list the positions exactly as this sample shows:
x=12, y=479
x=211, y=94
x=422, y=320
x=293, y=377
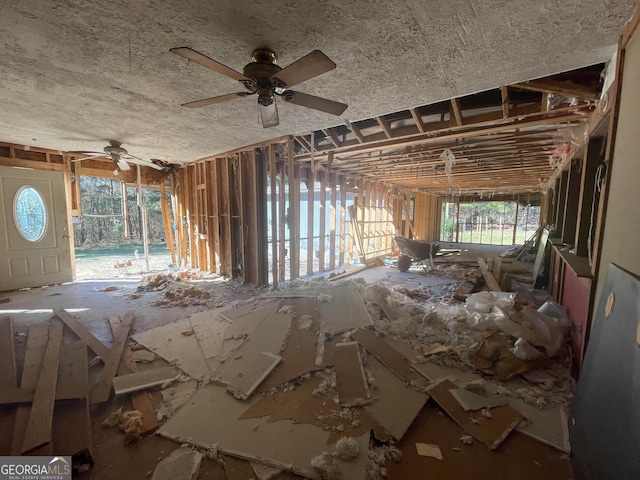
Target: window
x=30, y=214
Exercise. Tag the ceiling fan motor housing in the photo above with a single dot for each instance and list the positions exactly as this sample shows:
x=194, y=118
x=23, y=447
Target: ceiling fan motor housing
x=259, y=73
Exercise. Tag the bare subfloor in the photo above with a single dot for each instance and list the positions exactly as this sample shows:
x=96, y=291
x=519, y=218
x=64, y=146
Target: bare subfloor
x=93, y=301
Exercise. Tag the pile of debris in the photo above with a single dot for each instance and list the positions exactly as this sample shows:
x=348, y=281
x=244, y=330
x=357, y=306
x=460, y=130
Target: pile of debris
x=338, y=373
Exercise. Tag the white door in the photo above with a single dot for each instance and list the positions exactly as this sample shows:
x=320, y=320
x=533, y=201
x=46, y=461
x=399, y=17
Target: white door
x=35, y=249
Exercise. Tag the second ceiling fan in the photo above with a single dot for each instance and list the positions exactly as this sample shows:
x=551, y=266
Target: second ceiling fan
x=264, y=78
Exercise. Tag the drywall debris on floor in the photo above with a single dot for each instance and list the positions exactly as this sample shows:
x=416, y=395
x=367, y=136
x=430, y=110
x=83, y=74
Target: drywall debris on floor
x=182, y=464
x=174, y=397
x=331, y=362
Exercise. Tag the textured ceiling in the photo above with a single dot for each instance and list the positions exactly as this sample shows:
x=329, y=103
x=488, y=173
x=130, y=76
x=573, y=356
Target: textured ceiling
x=76, y=73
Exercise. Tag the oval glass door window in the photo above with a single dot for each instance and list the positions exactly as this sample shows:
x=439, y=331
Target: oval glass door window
x=30, y=213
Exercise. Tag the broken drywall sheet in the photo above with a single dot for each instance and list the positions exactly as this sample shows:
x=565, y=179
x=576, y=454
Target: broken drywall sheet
x=547, y=425
x=143, y=356
x=388, y=355
x=249, y=359
x=242, y=327
x=344, y=309
x=435, y=373
x=429, y=450
x=265, y=472
x=352, y=385
x=489, y=430
x=282, y=444
x=252, y=374
x=396, y=404
x=472, y=401
x=299, y=352
x=182, y=464
x=134, y=382
x=177, y=344
x=174, y=397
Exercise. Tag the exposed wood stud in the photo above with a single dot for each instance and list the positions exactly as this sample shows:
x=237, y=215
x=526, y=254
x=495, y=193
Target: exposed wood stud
x=418, y=119
x=322, y=220
x=385, y=126
x=310, y=221
x=332, y=221
x=504, y=92
x=275, y=220
x=342, y=219
x=457, y=114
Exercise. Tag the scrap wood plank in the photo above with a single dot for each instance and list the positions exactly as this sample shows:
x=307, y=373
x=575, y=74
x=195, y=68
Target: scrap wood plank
x=141, y=401
x=352, y=385
x=10, y=396
x=101, y=393
x=489, y=431
x=488, y=277
x=82, y=333
x=497, y=267
x=253, y=375
x=71, y=431
x=8, y=380
x=38, y=428
x=137, y=381
x=37, y=339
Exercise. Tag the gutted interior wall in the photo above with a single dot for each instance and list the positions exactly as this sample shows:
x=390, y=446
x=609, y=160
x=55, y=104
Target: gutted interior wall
x=619, y=242
x=261, y=215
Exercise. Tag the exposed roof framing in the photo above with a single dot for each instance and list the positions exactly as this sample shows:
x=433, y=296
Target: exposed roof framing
x=502, y=139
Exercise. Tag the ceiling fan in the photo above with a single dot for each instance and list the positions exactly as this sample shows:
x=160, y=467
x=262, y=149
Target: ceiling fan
x=118, y=155
x=264, y=78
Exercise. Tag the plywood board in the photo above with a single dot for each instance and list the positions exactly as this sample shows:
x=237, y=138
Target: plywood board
x=472, y=401
x=71, y=431
x=396, y=404
x=37, y=339
x=268, y=336
x=351, y=381
x=299, y=353
x=137, y=381
x=547, y=425
x=345, y=311
x=490, y=431
x=38, y=429
x=102, y=391
x=182, y=464
x=176, y=343
x=281, y=444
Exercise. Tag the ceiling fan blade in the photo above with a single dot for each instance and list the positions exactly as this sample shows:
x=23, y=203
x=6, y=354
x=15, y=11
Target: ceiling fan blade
x=309, y=66
x=205, y=61
x=317, y=103
x=144, y=163
x=122, y=164
x=269, y=115
x=212, y=100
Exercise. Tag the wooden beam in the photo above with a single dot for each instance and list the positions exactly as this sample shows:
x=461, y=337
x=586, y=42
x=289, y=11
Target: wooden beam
x=322, y=220
x=294, y=213
x=283, y=221
x=385, y=126
x=311, y=179
x=488, y=276
x=36, y=165
x=457, y=114
x=356, y=131
x=571, y=89
x=166, y=220
x=331, y=136
x=275, y=220
x=504, y=92
x=38, y=428
x=418, y=119
x=342, y=220
x=544, y=102
x=303, y=141
x=332, y=221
